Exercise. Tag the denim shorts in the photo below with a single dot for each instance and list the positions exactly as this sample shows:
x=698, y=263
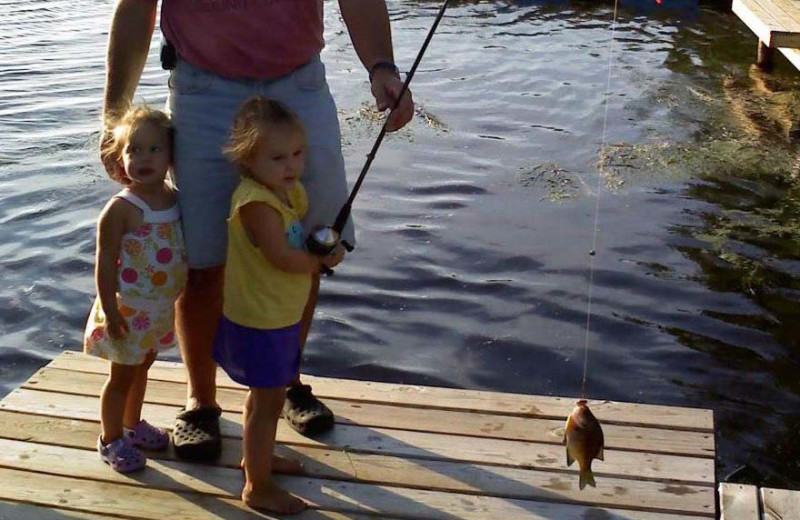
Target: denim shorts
x=203, y=105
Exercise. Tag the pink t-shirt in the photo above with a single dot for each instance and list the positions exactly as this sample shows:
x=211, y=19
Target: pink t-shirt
x=244, y=38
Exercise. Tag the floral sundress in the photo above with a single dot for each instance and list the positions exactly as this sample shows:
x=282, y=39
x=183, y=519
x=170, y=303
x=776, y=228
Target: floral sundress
x=151, y=274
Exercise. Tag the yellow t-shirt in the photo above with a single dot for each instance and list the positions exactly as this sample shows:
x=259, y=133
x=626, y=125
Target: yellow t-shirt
x=258, y=294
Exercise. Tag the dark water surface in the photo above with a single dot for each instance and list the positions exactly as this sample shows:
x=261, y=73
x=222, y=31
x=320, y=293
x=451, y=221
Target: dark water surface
x=476, y=221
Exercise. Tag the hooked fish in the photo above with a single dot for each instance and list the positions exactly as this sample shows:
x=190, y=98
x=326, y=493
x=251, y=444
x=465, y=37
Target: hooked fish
x=583, y=437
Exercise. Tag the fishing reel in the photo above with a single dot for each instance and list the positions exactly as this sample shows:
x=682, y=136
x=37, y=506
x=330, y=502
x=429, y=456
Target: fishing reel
x=322, y=241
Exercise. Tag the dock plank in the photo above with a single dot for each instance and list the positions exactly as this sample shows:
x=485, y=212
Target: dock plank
x=397, y=452
x=22, y=511
x=747, y=502
x=326, y=497
x=793, y=55
x=789, y=12
x=27, y=438
x=140, y=503
x=738, y=502
x=435, y=398
x=410, y=444
x=773, y=21
x=780, y=504
x=475, y=424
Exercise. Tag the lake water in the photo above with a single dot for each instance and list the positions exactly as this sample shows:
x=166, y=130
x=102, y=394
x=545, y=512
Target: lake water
x=476, y=221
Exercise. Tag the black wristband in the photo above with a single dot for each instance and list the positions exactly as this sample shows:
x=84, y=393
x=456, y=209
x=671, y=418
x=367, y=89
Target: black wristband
x=383, y=65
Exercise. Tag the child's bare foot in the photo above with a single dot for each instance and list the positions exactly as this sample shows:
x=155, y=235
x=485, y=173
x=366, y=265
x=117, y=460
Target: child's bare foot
x=282, y=465
x=272, y=499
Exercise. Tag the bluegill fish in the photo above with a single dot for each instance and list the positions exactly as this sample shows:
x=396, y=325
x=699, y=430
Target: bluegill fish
x=583, y=437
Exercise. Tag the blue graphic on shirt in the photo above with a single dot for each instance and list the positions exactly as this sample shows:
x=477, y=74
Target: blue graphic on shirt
x=294, y=234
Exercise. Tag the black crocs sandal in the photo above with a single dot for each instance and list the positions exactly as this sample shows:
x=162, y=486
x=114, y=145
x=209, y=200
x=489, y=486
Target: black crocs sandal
x=196, y=436
x=304, y=412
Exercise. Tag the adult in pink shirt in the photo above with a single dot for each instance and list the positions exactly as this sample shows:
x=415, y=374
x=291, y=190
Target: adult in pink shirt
x=227, y=51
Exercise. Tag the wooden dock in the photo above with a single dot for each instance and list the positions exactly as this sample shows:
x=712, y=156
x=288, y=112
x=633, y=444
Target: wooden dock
x=776, y=23
x=397, y=452
x=744, y=502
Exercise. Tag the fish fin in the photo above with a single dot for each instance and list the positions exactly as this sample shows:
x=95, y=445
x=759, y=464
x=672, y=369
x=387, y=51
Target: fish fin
x=567, y=427
x=570, y=460
x=586, y=478
x=600, y=454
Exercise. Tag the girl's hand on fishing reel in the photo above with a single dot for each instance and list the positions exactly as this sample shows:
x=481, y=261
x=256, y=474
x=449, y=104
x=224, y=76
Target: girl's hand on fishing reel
x=386, y=86
x=333, y=258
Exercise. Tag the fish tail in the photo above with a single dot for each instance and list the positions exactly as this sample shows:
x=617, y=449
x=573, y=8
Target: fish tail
x=587, y=478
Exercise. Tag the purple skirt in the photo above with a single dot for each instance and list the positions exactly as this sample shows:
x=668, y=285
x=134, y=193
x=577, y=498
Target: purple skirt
x=257, y=358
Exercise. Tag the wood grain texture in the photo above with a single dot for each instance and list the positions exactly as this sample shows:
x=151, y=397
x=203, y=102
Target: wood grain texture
x=25, y=443
x=779, y=504
x=435, y=398
x=396, y=452
x=474, y=424
x=738, y=502
x=400, y=443
x=775, y=22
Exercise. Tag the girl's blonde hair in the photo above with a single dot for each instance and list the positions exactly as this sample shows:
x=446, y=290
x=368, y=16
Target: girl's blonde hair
x=120, y=132
x=255, y=117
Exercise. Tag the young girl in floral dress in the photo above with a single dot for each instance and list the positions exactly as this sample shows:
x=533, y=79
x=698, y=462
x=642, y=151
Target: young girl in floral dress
x=140, y=271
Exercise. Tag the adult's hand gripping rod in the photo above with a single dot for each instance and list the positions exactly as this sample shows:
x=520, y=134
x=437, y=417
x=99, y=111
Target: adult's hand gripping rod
x=324, y=239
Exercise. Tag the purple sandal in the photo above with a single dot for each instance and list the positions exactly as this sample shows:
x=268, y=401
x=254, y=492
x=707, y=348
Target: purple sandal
x=121, y=455
x=147, y=436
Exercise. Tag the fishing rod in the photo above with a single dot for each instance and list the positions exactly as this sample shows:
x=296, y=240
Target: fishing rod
x=322, y=240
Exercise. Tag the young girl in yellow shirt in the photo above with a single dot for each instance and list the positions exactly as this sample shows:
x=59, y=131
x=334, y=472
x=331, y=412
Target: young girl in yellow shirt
x=267, y=283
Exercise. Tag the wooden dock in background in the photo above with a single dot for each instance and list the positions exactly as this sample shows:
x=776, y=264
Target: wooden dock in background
x=744, y=502
x=776, y=23
x=397, y=452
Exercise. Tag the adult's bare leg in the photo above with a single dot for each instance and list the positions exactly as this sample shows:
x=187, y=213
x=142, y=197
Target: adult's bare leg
x=196, y=435
x=197, y=313
x=308, y=317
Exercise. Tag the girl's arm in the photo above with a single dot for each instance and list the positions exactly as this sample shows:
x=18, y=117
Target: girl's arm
x=264, y=226
x=110, y=228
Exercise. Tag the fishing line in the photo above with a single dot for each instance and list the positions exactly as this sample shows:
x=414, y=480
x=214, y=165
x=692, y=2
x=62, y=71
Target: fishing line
x=593, y=250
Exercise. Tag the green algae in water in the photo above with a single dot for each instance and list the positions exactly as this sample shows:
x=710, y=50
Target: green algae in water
x=741, y=156
x=558, y=184
x=364, y=123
